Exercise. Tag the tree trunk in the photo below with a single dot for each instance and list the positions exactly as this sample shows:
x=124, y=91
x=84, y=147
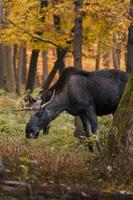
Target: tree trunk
x=77, y=47
x=121, y=134
x=1, y=50
x=106, y=59
x=58, y=65
x=129, y=56
x=44, y=66
x=97, y=66
x=26, y=191
x=1, y=67
x=22, y=57
x=1, y=11
x=35, y=53
x=116, y=52
x=50, y=77
x=129, y=65
x=16, y=64
x=77, y=52
x=2, y=168
x=116, y=58
x=9, y=68
x=60, y=53
x=32, y=70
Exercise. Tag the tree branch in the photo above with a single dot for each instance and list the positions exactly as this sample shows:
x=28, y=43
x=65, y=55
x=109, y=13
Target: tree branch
x=36, y=36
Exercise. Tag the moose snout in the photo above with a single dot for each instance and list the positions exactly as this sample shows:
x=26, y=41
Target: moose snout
x=31, y=132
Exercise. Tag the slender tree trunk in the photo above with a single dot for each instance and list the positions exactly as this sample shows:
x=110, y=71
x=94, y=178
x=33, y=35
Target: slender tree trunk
x=32, y=70
x=22, y=58
x=16, y=65
x=77, y=53
x=50, y=77
x=106, y=60
x=60, y=53
x=116, y=53
x=97, y=66
x=45, y=66
x=58, y=65
x=1, y=11
x=78, y=35
x=2, y=170
x=9, y=68
x=1, y=67
x=116, y=58
x=121, y=134
x=1, y=50
x=38, y=80
x=129, y=65
x=35, y=53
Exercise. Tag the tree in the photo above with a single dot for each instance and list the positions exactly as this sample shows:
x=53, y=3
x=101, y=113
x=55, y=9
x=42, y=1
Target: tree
x=1, y=67
x=60, y=54
x=78, y=26
x=2, y=170
x=9, y=69
x=58, y=65
x=97, y=66
x=16, y=64
x=129, y=65
x=32, y=70
x=34, y=55
x=121, y=134
x=77, y=52
x=22, y=57
x=44, y=67
x=1, y=49
x=116, y=52
x=106, y=59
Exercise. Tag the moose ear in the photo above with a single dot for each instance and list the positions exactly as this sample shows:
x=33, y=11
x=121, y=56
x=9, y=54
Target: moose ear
x=29, y=98
x=46, y=95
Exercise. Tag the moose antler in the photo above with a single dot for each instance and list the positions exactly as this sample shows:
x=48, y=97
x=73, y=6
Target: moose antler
x=28, y=97
x=49, y=100
x=23, y=109
x=32, y=107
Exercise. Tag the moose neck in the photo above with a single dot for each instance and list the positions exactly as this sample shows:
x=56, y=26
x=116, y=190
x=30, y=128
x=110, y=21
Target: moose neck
x=55, y=107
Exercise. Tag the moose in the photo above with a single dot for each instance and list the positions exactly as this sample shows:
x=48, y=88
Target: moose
x=80, y=93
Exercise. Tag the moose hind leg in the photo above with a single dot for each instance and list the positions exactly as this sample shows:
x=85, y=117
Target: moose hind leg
x=86, y=124
x=91, y=114
x=94, y=125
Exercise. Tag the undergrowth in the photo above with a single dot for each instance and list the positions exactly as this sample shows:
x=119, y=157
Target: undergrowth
x=57, y=157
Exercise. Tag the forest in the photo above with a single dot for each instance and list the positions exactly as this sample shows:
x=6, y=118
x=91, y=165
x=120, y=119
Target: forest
x=40, y=42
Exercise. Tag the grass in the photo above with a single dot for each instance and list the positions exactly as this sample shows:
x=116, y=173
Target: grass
x=58, y=157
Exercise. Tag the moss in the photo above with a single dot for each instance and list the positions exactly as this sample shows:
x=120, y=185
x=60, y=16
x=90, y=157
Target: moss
x=122, y=116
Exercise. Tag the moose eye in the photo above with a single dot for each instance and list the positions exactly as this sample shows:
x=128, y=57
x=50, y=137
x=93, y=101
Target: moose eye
x=38, y=114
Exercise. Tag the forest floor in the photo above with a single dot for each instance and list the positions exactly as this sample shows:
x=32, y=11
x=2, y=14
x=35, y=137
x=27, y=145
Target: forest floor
x=58, y=158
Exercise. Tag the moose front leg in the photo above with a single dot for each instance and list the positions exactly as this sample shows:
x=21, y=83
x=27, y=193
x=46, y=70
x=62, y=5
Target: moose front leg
x=86, y=124
x=46, y=130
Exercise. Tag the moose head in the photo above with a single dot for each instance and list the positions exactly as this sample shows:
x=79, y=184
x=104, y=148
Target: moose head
x=39, y=119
